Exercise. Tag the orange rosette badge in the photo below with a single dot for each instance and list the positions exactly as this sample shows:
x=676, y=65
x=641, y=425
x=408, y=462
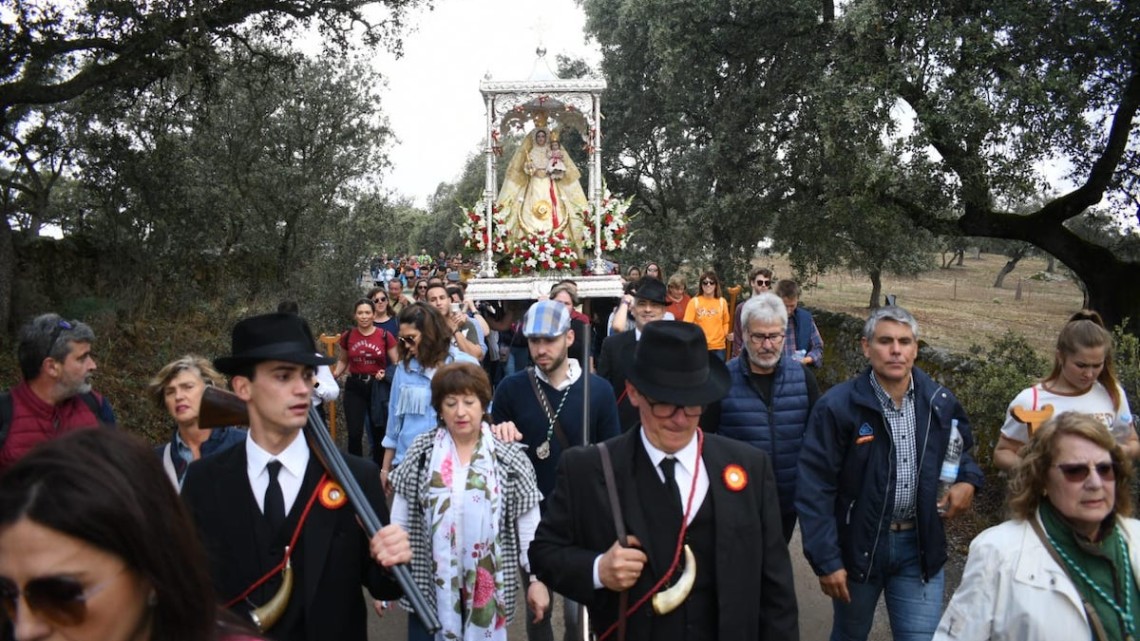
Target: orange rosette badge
x=332, y=495
x=735, y=478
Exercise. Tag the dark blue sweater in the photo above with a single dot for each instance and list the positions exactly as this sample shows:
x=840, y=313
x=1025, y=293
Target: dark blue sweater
x=515, y=401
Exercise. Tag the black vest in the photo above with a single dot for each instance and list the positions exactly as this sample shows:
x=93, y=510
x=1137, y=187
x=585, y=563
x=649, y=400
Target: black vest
x=270, y=548
x=696, y=618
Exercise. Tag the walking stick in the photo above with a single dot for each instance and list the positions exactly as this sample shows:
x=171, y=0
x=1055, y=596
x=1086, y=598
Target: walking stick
x=733, y=293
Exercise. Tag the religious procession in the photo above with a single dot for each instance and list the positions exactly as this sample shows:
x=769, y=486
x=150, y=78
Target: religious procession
x=556, y=424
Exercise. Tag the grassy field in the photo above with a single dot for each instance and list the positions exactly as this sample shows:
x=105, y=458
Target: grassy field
x=958, y=307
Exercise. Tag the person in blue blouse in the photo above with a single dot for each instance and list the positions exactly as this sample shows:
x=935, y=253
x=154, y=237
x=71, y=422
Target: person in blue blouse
x=424, y=343
x=178, y=389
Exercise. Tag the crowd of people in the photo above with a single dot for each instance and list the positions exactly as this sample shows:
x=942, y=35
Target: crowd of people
x=708, y=442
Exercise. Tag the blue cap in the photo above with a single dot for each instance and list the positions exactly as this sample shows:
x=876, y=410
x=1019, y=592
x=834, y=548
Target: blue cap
x=546, y=319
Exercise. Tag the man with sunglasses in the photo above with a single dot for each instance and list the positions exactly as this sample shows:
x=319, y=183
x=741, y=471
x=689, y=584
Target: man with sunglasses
x=761, y=281
x=684, y=504
x=55, y=394
x=867, y=490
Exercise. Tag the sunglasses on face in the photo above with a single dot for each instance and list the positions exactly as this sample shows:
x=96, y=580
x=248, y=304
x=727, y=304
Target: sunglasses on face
x=408, y=341
x=763, y=283
x=421, y=286
x=379, y=300
x=707, y=282
x=60, y=599
x=1078, y=472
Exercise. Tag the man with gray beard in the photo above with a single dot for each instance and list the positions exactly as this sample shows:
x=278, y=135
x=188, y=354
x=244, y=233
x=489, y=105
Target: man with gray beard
x=770, y=397
x=55, y=396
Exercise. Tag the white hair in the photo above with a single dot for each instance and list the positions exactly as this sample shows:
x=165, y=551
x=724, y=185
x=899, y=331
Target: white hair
x=766, y=308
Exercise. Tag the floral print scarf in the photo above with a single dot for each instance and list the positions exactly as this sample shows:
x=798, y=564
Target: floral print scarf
x=464, y=516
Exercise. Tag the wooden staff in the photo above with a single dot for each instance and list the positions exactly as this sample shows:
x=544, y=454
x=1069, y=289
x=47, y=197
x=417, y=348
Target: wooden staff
x=733, y=293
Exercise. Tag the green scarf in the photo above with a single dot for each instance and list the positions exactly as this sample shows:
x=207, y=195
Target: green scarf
x=1103, y=563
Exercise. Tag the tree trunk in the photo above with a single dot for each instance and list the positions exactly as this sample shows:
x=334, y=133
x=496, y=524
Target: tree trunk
x=7, y=276
x=961, y=256
x=1009, y=266
x=1050, y=266
x=876, y=288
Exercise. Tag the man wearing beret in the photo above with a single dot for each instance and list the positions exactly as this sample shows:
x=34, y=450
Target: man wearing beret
x=695, y=548
x=270, y=501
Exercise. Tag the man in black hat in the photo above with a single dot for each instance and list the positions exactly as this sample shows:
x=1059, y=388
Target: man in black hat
x=675, y=489
x=648, y=305
x=258, y=505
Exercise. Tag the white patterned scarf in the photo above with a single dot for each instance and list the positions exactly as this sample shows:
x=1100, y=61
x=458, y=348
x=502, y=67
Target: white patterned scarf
x=465, y=514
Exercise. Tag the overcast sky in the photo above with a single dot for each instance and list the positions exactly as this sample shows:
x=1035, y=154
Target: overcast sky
x=433, y=102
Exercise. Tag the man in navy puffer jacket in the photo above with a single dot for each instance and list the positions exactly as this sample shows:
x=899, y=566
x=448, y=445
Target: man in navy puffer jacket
x=770, y=398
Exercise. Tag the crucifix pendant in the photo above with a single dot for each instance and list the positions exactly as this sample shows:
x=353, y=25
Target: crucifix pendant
x=543, y=450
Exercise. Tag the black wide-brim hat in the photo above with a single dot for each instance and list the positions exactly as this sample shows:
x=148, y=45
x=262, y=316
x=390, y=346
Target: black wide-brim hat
x=271, y=337
x=651, y=289
x=672, y=364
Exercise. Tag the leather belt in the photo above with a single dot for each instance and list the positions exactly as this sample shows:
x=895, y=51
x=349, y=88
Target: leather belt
x=360, y=377
x=902, y=526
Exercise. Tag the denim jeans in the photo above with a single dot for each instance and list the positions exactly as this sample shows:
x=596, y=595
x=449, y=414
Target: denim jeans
x=914, y=607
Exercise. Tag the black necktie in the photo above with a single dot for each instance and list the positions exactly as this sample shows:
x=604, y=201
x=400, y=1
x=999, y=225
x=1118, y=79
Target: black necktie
x=274, y=497
x=668, y=467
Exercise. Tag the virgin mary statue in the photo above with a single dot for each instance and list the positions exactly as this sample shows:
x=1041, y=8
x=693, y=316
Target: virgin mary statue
x=540, y=192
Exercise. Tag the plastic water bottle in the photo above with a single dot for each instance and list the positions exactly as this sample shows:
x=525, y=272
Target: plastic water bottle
x=949, y=475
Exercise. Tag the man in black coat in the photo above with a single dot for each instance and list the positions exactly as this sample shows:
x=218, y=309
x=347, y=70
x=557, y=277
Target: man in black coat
x=648, y=303
x=258, y=505
x=674, y=485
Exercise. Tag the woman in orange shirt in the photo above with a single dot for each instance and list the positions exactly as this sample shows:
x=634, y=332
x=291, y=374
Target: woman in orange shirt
x=710, y=312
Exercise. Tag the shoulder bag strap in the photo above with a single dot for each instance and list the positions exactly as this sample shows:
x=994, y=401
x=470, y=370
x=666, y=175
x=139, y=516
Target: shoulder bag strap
x=545, y=403
x=1094, y=620
x=619, y=526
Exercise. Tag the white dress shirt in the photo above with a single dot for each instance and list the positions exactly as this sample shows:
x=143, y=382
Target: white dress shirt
x=682, y=473
x=294, y=459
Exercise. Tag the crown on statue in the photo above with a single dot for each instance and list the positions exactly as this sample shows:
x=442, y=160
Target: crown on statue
x=554, y=135
x=540, y=120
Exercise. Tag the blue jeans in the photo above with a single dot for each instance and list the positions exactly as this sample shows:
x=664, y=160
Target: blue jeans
x=914, y=607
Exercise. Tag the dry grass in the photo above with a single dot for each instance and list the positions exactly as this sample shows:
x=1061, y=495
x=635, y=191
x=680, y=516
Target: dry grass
x=958, y=307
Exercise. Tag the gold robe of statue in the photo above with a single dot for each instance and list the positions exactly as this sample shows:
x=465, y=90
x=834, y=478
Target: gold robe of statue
x=536, y=202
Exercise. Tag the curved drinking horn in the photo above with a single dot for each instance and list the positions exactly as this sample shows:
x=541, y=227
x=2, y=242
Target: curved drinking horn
x=666, y=601
x=267, y=615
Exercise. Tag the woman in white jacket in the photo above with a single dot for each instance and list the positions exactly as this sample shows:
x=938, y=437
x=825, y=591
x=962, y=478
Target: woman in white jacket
x=1065, y=567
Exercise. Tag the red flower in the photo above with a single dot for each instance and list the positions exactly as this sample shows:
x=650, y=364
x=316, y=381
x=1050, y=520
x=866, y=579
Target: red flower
x=484, y=587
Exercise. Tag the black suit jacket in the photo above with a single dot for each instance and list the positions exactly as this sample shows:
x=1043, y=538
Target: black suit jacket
x=755, y=592
x=612, y=367
x=333, y=546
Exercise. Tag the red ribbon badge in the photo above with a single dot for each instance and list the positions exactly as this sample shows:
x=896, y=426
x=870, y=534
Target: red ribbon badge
x=332, y=495
x=735, y=478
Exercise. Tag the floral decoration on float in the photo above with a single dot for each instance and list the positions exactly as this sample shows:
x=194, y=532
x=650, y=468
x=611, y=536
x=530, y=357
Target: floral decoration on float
x=615, y=224
x=536, y=253
x=473, y=229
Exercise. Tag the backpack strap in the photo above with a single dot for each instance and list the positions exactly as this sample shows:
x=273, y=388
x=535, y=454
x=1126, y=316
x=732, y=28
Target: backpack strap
x=96, y=408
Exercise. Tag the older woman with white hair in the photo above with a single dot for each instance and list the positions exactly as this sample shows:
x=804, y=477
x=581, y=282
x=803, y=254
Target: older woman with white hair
x=768, y=404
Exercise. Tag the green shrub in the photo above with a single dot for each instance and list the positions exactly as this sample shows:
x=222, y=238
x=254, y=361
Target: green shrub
x=1007, y=367
x=1126, y=358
